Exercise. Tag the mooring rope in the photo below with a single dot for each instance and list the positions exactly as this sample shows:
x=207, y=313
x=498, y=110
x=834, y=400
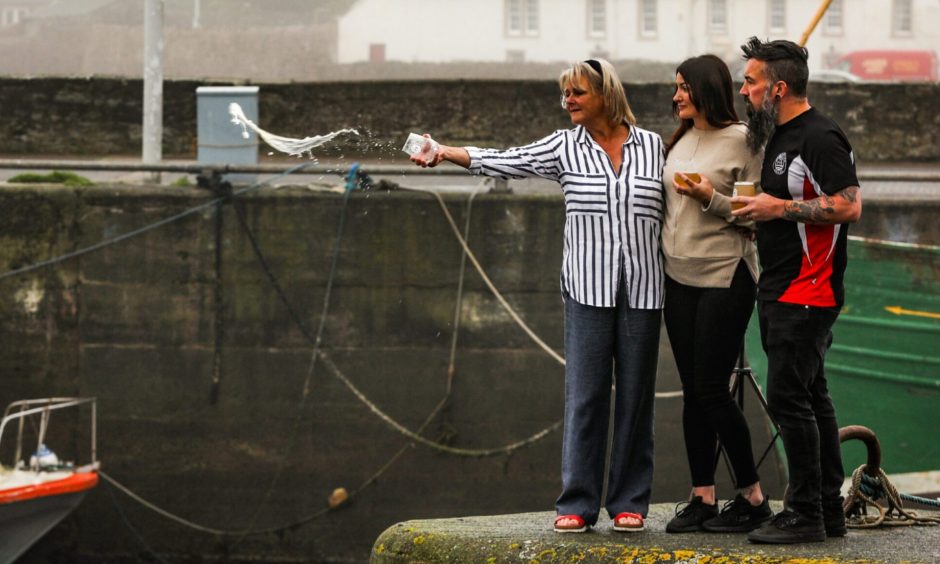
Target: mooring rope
x=486, y=279
x=316, y=338
x=149, y=227
x=127, y=523
x=335, y=370
x=414, y=436
x=458, y=306
x=318, y=353
x=471, y=452
x=857, y=502
x=499, y=296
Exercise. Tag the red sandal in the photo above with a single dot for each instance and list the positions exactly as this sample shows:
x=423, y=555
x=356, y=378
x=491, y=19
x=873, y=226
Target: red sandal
x=629, y=527
x=578, y=527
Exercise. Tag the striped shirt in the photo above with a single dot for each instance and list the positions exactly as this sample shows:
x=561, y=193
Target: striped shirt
x=612, y=218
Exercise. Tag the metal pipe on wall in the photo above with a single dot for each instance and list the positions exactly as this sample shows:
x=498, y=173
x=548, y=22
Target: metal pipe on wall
x=153, y=84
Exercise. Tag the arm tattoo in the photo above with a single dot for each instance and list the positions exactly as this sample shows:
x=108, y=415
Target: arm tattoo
x=850, y=194
x=817, y=210
x=821, y=209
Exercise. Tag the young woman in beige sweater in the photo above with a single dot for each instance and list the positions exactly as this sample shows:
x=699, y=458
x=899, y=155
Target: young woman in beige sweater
x=711, y=269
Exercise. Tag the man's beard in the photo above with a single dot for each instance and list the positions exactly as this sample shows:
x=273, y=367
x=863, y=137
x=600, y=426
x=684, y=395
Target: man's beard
x=761, y=123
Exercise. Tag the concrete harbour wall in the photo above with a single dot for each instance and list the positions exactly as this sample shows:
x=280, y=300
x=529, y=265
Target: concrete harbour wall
x=137, y=325
x=201, y=402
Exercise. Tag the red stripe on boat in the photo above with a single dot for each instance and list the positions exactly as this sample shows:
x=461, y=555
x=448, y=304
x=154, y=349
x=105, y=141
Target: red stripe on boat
x=71, y=484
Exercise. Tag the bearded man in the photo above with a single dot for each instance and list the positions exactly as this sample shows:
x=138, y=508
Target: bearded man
x=810, y=194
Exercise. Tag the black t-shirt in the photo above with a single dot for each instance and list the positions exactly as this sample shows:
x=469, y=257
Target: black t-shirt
x=801, y=263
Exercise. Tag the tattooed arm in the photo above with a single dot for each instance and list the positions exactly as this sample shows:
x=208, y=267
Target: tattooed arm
x=845, y=206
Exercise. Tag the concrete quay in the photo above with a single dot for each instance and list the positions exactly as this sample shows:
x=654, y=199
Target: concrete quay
x=528, y=537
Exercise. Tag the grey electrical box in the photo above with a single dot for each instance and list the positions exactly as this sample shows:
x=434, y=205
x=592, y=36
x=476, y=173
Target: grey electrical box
x=221, y=141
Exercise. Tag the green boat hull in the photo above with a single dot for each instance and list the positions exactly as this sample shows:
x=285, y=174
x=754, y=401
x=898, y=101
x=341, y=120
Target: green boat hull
x=884, y=365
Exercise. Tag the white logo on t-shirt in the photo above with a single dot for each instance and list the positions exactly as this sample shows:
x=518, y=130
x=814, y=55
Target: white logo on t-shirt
x=780, y=163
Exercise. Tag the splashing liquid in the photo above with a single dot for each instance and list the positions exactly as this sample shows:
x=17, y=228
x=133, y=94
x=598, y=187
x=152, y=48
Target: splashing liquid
x=289, y=145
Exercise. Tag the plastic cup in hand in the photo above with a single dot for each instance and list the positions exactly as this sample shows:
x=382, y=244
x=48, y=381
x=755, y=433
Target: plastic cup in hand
x=421, y=146
x=743, y=189
x=693, y=176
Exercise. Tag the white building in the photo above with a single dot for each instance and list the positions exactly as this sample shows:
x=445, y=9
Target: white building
x=657, y=30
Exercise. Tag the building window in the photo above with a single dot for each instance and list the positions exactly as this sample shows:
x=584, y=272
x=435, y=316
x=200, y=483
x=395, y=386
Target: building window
x=522, y=17
x=833, y=25
x=776, y=16
x=717, y=17
x=12, y=16
x=597, y=18
x=902, y=18
x=648, y=20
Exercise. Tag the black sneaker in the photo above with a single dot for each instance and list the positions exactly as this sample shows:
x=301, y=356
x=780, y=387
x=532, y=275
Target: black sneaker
x=739, y=516
x=690, y=518
x=788, y=527
x=834, y=520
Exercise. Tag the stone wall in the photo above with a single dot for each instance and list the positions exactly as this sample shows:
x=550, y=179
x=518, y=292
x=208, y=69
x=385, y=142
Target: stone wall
x=200, y=367
x=100, y=116
x=201, y=401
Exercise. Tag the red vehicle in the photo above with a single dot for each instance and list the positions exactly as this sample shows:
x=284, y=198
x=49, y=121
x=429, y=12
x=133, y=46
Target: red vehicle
x=904, y=66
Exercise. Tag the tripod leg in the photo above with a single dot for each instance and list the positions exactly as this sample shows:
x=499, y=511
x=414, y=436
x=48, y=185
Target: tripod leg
x=763, y=402
x=734, y=386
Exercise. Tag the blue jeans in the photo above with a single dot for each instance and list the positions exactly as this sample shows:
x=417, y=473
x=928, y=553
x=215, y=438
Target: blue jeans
x=601, y=342
x=796, y=339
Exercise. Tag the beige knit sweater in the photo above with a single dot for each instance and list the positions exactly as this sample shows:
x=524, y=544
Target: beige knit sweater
x=701, y=246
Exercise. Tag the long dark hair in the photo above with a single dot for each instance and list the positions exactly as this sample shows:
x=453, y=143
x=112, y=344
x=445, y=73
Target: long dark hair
x=710, y=90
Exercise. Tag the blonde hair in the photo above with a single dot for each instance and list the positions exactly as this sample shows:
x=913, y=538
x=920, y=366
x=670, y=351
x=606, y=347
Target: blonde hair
x=607, y=84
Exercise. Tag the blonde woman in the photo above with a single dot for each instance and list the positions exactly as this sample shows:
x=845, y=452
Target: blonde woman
x=610, y=172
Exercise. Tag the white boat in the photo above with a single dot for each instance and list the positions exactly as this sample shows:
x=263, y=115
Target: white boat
x=37, y=493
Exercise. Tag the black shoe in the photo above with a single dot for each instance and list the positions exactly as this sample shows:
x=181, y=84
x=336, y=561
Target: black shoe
x=788, y=527
x=834, y=520
x=690, y=518
x=739, y=516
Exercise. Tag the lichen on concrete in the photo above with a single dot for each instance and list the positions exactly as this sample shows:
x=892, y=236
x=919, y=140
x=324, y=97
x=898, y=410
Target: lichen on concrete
x=527, y=537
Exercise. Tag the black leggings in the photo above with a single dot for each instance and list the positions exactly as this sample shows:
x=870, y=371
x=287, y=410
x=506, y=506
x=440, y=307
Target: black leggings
x=706, y=329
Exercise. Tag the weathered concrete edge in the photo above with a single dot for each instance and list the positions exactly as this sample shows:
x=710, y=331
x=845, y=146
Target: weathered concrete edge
x=527, y=537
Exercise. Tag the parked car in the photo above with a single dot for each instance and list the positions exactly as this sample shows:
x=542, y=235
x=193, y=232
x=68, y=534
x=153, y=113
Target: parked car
x=832, y=75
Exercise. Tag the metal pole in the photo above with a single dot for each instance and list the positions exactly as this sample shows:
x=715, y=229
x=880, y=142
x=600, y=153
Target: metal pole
x=812, y=25
x=153, y=84
x=94, y=430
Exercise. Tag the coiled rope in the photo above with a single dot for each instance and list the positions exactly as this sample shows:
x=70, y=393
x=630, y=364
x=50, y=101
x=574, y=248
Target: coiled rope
x=864, y=493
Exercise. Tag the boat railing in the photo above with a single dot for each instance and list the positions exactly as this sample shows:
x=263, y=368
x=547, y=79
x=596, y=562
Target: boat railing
x=22, y=410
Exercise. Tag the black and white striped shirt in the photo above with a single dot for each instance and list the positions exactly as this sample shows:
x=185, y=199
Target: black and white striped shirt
x=612, y=218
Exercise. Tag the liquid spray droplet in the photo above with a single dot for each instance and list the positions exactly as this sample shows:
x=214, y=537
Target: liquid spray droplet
x=289, y=145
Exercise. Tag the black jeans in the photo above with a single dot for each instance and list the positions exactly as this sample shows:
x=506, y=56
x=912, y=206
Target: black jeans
x=706, y=330
x=796, y=339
